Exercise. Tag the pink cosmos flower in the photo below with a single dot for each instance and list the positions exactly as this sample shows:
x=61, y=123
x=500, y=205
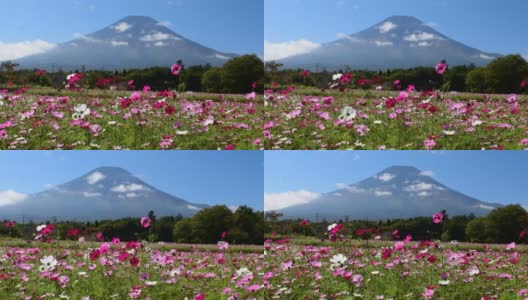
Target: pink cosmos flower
x=437, y=218
x=251, y=95
x=135, y=96
x=441, y=68
x=511, y=246
x=95, y=129
x=145, y=222
x=176, y=69
x=429, y=143
x=223, y=245
x=63, y=281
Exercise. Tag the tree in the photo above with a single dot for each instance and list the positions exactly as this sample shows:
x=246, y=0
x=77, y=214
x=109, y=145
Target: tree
x=505, y=73
x=477, y=81
x=183, y=231
x=241, y=72
x=209, y=223
x=476, y=230
x=506, y=222
x=212, y=80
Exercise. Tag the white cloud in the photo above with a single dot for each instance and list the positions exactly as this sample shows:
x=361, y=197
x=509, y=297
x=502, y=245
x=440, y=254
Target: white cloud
x=10, y=197
x=486, y=207
x=95, y=177
x=220, y=56
x=348, y=37
x=158, y=36
x=382, y=193
x=274, y=201
x=197, y=208
x=160, y=44
x=9, y=51
x=386, y=177
x=122, y=27
x=423, y=36
x=484, y=56
x=88, y=194
x=383, y=43
x=386, y=27
x=233, y=208
x=424, y=194
x=274, y=51
x=427, y=173
x=92, y=7
x=164, y=23
x=425, y=44
x=350, y=188
x=131, y=195
x=118, y=43
x=422, y=186
x=124, y=188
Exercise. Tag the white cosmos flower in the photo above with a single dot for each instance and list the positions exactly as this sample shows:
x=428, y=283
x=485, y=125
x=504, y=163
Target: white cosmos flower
x=48, y=263
x=81, y=111
x=339, y=259
x=243, y=272
x=348, y=113
x=151, y=283
x=337, y=76
x=182, y=132
x=474, y=271
x=40, y=227
x=476, y=123
x=447, y=132
x=330, y=227
x=444, y=282
x=70, y=76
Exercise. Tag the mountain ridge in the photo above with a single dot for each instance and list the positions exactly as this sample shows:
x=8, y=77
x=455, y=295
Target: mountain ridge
x=131, y=42
x=102, y=193
x=395, y=192
x=395, y=42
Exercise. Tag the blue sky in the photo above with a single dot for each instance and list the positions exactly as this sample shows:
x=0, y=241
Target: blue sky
x=489, y=25
x=492, y=176
x=212, y=177
x=226, y=25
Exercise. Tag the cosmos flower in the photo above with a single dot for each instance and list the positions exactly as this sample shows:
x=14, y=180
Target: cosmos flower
x=145, y=222
x=437, y=218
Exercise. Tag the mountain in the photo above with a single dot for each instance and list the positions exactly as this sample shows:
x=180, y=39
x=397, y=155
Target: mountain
x=104, y=193
x=132, y=42
x=396, y=192
x=396, y=42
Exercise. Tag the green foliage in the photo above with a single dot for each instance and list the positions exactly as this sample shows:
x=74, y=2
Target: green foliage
x=244, y=226
x=212, y=80
x=241, y=72
x=501, y=225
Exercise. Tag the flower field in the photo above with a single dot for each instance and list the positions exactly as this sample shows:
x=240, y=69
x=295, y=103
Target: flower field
x=297, y=269
x=357, y=119
x=128, y=270
x=136, y=120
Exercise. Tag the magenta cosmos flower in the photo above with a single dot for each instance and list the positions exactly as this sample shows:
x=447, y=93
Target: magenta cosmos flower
x=145, y=222
x=175, y=69
x=441, y=68
x=438, y=217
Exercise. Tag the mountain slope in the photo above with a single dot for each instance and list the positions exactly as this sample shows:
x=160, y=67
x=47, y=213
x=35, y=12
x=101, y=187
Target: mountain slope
x=104, y=193
x=396, y=192
x=396, y=42
x=132, y=42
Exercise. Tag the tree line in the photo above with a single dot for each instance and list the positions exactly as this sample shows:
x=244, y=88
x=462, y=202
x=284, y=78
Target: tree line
x=208, y=226
x=504, y=75
x=236, y=76
x=502, y=225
